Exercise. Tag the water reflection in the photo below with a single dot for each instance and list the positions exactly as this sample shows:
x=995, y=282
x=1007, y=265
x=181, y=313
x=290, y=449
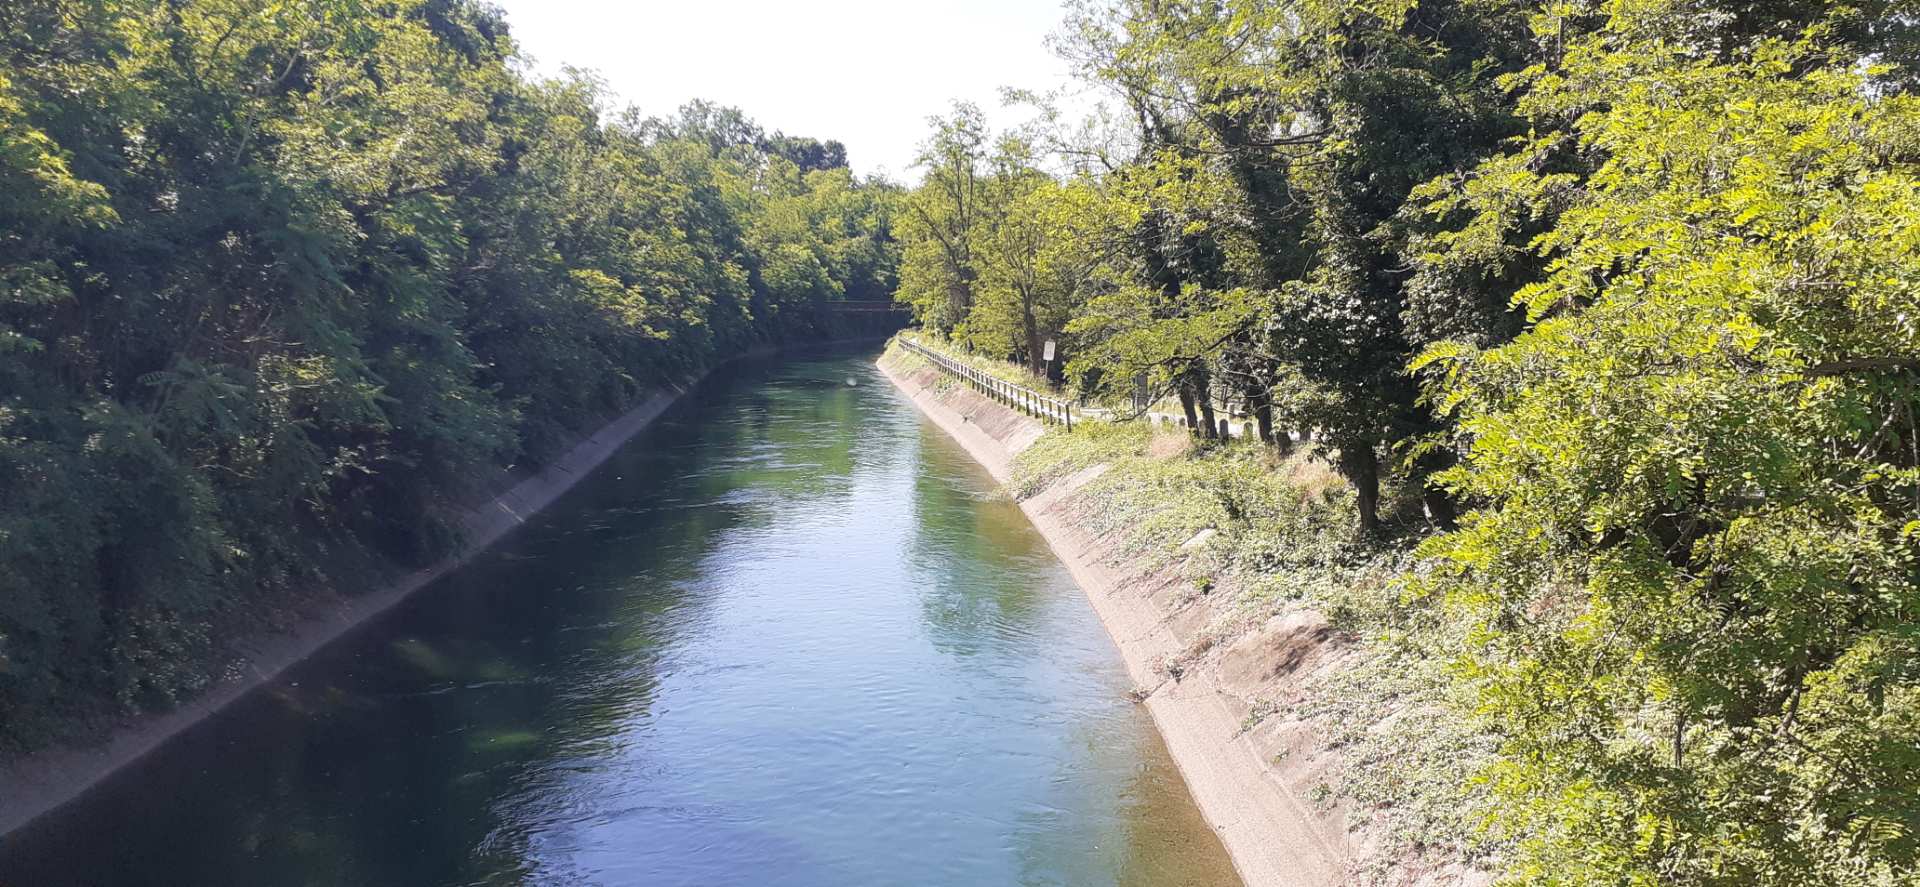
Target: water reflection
x=785, y=638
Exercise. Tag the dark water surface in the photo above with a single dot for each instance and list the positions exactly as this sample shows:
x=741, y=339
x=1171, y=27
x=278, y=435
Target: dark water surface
x=786, y=636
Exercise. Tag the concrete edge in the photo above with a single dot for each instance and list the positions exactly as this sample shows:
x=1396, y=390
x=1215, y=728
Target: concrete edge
x=1271, y=835
x=38, y=783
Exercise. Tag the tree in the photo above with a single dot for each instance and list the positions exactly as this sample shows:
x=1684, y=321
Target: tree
x=938, y=221
x=1031, y=269
x=1693, y=580
x=281, y=284
x=1312, y=123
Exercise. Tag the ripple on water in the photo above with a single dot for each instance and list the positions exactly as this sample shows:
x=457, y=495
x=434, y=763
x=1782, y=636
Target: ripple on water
x=790, y=636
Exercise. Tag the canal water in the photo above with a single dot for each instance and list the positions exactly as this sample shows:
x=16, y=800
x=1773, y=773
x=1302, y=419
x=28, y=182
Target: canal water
x=787, y=636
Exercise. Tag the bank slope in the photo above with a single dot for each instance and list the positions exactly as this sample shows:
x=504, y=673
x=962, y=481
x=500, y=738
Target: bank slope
x=1274, y=836
x=1297, y=740
x=37, y=783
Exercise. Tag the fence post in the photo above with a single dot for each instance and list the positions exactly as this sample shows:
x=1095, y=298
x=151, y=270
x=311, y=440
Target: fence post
x=1008, y=394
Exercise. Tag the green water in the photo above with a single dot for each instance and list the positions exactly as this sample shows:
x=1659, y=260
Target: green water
x=786, y=636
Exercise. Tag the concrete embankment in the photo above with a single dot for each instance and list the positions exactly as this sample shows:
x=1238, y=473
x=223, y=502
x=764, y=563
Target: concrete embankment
x=1254, y=786
x=37, y=783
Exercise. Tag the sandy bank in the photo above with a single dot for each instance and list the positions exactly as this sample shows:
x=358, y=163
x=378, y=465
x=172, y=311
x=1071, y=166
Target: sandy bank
x=1253, y=786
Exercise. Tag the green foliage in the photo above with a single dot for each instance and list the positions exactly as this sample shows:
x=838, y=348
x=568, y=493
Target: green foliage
x=1634, y=284
x=994, y=252
x=1018, y=374
x=1285, y=540
x=940, y=220
x=1278, y=148
x=1695, y=581
x=281, y=282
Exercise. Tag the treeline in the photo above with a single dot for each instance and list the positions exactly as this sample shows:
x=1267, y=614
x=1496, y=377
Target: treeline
x=1617, y=302
x=279, y=282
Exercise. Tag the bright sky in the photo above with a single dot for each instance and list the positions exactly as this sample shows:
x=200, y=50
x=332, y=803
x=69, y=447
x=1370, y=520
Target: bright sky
x=865, y=72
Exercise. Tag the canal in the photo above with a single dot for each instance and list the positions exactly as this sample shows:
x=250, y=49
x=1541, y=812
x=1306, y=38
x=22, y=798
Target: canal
x=788, y=635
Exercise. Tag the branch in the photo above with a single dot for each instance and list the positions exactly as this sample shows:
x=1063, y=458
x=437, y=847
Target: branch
x=1854, y=364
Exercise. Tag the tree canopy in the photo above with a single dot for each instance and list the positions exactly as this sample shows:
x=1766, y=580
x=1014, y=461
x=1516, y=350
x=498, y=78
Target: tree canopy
x=1620, y=298
x=1608, y=306
x=280, y=282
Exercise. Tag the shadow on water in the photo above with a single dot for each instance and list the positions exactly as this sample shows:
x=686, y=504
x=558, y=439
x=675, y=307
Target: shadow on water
x=784, y=637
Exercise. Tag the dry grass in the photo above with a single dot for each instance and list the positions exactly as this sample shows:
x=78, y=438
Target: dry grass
x=1169, y=445
x=1284, y=546
x=1004, y=370
x=1314, y=477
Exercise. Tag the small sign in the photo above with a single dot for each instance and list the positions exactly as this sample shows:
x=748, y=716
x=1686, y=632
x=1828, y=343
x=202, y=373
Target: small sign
x=1048, y=353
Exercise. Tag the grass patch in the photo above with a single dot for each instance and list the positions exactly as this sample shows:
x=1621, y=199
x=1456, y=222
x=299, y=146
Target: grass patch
x=1004, y=370
x=1284, y=539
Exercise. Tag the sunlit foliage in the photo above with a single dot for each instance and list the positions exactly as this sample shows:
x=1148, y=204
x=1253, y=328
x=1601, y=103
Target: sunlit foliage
x=1696, y=578
x=282, y=282
x=1626, y=286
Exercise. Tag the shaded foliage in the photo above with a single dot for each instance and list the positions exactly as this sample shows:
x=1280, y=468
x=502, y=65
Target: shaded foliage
x=1628, y=288
x=282, y=282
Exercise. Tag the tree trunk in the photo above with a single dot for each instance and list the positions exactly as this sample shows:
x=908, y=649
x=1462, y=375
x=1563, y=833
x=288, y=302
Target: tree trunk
x=1262, y=403
x=959, y=300
x=1440, y=505
x=1186, y=406
x=1362, y=469
x=1200, y=383
x=1035, y=358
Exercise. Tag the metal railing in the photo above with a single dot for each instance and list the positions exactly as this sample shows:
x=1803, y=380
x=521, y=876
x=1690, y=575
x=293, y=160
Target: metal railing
x=1019, y=397
x=866, y=306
